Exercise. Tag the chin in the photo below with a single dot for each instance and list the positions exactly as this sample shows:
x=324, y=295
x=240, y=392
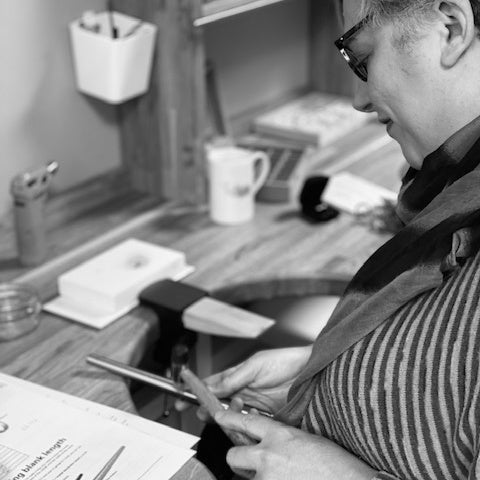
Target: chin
x=413, y=157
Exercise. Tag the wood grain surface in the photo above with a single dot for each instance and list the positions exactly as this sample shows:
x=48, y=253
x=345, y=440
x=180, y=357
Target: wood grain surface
x=162, y=130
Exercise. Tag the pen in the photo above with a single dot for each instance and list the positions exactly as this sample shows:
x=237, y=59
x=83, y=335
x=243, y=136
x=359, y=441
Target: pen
x=106, y=468
x=113, y=28
x=79, y=477
x=133, y=29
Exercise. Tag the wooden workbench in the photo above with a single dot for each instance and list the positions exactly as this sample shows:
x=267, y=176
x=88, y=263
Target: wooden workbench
x=275, y=255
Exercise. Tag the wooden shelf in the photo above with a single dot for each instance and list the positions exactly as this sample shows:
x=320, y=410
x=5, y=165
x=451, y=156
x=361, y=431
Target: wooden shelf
x=214, y=10
x=163, y=132
x=91, y=209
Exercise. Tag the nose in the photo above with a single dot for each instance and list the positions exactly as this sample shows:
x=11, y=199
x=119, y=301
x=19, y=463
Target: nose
x=361, y=98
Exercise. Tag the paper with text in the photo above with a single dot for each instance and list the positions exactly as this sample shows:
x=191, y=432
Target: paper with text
x=157, y=430
x=42, y=439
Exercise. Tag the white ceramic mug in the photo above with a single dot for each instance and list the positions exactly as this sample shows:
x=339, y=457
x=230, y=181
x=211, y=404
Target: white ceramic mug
x=235, y=176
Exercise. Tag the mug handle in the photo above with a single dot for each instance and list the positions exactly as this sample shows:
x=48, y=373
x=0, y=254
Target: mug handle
x=264, y=160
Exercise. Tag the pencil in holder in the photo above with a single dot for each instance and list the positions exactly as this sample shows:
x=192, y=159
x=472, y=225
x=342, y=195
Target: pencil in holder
x=112, y=55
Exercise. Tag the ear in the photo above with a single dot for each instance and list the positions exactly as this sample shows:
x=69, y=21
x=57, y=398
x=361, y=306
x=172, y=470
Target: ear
x=458, y=30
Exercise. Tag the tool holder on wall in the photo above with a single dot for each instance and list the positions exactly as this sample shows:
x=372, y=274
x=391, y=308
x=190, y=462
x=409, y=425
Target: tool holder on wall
x=112, y=55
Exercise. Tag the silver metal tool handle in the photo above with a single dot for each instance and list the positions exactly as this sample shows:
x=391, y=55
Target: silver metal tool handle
x=157, y=381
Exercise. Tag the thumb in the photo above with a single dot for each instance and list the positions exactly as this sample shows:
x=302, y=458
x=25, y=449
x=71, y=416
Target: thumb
x=231, y=381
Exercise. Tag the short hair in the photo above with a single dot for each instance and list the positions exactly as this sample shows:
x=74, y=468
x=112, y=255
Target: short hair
x=416, y=11
x=382, y=9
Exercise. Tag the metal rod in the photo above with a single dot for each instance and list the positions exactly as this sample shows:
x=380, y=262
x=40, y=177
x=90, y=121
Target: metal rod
x=157, y=381
x=213, y=17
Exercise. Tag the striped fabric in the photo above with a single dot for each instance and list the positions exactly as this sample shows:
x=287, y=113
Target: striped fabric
x=406, y=398
x=440, y=207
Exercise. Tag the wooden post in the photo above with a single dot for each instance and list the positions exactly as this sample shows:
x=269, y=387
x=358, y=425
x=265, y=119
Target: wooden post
x=162, y=131
x=328, y=71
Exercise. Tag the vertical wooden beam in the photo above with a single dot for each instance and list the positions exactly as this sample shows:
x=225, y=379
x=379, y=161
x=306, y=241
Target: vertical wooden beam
x=162, y=131
x=328, y=71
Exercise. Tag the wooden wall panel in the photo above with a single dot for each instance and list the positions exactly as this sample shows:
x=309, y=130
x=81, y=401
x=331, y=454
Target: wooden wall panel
x=328, y=71
x=162, y=131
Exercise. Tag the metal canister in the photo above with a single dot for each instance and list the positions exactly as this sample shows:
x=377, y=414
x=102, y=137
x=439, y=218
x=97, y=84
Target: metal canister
x=29, y=191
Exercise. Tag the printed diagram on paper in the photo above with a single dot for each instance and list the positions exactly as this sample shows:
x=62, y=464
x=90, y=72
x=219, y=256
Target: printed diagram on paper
x=11, y=459
x=42, y=439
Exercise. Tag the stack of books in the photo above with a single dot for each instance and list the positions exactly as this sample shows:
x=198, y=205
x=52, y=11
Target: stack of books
x=315, y=119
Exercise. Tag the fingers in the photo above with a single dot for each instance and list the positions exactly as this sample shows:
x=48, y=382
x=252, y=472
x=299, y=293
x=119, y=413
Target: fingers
x=218, y=378
x=244, y=473
x=230, y=381
x=203, y=415
x=254, y=426
x=243, y=460
x=201, y=412
x=236, y=404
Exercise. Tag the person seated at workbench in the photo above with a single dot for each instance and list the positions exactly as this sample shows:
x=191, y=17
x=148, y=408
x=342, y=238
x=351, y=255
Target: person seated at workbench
x=391, y=387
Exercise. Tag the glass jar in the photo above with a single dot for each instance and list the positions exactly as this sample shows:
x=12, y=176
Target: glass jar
x=19, y=310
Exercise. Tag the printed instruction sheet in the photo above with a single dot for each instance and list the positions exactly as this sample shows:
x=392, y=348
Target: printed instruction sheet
x=45, y=439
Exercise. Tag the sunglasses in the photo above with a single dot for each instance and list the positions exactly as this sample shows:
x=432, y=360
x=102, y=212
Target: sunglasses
x=359, y=66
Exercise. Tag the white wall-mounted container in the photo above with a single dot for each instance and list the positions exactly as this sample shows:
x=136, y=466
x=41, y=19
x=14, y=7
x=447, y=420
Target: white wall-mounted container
x=113, y=69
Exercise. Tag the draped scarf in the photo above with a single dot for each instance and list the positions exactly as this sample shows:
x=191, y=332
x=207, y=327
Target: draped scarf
x=439, y=206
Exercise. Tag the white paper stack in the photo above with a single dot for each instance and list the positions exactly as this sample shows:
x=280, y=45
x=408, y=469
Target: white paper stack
x=106, y=287
x=354, y=194
x=47, y=434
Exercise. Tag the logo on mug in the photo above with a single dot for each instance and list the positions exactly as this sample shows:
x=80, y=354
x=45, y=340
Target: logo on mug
x=238, y=190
